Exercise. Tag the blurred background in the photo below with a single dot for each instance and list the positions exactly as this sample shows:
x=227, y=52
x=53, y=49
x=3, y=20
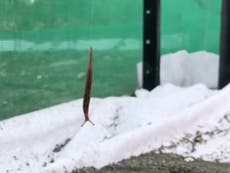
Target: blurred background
x=44, y=46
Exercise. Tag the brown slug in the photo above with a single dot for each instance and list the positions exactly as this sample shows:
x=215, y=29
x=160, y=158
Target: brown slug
x=88, y=86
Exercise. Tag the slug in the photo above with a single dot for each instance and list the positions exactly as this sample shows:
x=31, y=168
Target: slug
x=88, y=86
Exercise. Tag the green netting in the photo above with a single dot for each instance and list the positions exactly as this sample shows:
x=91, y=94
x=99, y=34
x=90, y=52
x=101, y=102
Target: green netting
x=44, y=46
x=44, y=50
x=190, y=24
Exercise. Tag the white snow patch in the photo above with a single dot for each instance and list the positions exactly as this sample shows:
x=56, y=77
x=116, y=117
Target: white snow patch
x=184, y=69
x=192, y=121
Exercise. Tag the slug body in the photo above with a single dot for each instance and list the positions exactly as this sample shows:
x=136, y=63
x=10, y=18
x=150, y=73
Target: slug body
x=88, y=86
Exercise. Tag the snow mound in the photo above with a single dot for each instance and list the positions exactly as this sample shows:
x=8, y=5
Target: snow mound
x=186, y=69
x=192, y=121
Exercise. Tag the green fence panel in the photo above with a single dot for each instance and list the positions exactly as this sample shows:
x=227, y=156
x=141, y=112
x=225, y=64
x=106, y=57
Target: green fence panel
x=44, y=50
x=44, y=46
x=191, y=25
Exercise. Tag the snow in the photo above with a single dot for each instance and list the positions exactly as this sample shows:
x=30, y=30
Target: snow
x=184, y=69
x=193, y=121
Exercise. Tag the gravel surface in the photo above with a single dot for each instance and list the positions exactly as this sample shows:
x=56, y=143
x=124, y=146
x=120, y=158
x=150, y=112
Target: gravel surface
x=160, y=163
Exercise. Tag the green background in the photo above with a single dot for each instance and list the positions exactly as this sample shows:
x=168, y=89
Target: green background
x=44, y=46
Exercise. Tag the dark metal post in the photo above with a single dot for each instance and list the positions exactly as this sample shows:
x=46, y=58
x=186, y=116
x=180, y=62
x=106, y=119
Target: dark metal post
x=224, y=65
x=151, y=44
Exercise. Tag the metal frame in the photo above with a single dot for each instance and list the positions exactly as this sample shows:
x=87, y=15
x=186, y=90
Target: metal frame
x=224, y=65
x=151, y=44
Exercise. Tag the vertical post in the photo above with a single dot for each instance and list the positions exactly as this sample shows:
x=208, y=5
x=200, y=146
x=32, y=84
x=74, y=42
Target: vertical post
x=151, y=44
x=224, y=64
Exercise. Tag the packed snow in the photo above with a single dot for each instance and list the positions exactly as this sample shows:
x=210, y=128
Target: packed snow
x=193, y=121
x=184, y=69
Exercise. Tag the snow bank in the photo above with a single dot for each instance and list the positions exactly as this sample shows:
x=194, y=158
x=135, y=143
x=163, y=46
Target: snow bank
x=192, y=121
x=184, y=69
